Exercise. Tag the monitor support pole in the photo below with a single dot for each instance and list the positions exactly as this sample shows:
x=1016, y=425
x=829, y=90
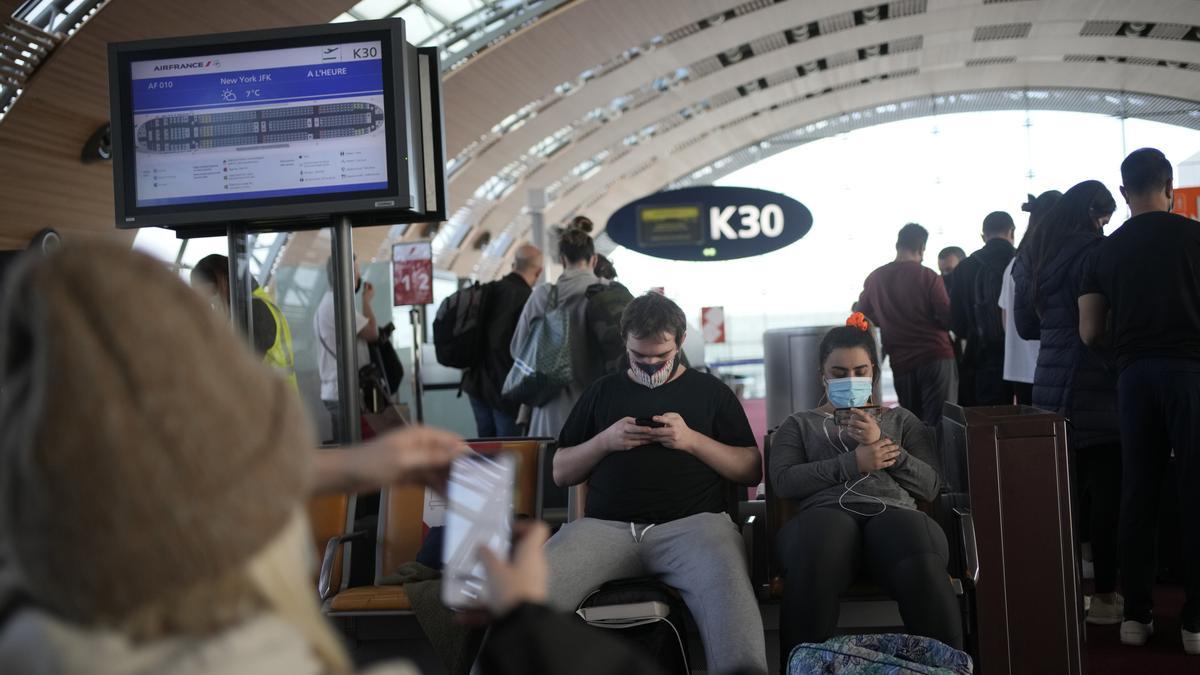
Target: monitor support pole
x=417, y=318
x=346, y=332
x=240, y=286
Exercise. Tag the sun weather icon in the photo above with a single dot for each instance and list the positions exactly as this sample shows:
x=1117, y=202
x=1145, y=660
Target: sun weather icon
x=228, y=95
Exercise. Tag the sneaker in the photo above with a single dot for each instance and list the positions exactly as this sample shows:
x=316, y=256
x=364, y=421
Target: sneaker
x=1136, y=633
x=1191, y=641
x=1102, y=612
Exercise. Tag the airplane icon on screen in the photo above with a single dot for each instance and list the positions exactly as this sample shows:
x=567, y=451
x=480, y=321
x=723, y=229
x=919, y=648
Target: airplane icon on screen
x=330, y=54
x=331, y=50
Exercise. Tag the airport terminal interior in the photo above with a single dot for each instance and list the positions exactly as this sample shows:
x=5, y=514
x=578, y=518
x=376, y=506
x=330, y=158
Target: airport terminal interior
x=823, y=336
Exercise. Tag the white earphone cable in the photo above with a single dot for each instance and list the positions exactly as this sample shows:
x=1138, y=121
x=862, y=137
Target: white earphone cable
x=850, y=487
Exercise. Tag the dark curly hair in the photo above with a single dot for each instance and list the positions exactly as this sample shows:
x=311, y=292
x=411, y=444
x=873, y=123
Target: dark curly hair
x=653, y=314
x=849, y=337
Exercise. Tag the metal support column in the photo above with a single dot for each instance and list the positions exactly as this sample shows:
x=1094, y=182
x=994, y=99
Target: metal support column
x=345, y=332
x=536, y=204
x=240, y=285
x=417, y=316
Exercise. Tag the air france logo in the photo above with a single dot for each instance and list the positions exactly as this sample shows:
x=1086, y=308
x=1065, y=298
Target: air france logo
x=191, y=65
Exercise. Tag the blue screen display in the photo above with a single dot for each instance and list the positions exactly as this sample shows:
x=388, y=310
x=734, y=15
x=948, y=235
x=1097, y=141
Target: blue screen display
x=255, y=125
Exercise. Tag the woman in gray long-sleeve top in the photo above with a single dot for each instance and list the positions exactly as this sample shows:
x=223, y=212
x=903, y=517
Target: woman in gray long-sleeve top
x=856, y=485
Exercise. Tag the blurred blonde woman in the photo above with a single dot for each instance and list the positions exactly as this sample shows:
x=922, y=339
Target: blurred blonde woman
x=152, y=481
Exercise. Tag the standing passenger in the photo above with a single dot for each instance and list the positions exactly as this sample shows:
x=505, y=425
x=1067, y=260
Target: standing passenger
x=606, y=301
x=1078, y=383
x=1146, y=274
x=325, y=326
x=272, y=336
x=506, y=298
x=909, y=304
x=976, y=313
x=577, y=254
x=948, y=260
x=1020, y=355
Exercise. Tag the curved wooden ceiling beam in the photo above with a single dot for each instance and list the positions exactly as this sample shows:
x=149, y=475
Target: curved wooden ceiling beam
x=1161, y=81
x=671, y=167
x=606, y=198
x=556, y=49
x=43, y=183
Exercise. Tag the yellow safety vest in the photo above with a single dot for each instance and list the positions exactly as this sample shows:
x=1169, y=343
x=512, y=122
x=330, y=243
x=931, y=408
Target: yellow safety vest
x=279, y=356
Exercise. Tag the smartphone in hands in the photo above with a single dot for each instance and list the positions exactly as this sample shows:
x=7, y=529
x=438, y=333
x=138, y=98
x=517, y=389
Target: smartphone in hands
x=843, y=416
x=479, y=502
x=648, y=422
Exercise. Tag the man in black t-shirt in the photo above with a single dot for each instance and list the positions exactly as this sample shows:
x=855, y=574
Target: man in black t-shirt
x=661, y=447
x=1140, y=292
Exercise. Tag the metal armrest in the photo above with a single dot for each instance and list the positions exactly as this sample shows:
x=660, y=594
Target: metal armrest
x=576, y=501
x=324, y=581
x=957, y=585
x=748, y=537
x=752, y=520
x=749, y=524
x=966, y=525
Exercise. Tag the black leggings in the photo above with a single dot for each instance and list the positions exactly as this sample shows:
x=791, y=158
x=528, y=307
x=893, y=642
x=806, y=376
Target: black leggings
x=1100, y=470
x=904, y=551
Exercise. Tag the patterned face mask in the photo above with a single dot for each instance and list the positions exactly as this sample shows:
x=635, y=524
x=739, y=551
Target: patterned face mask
x=652, y=375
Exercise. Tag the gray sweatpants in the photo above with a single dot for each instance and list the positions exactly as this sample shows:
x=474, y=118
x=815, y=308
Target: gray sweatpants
x=702, y=556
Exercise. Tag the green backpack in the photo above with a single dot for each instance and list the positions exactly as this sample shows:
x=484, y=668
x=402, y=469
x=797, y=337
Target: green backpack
x=602, y=317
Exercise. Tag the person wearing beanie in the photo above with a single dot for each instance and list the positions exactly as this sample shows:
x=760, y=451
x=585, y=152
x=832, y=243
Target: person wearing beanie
x=155, y=522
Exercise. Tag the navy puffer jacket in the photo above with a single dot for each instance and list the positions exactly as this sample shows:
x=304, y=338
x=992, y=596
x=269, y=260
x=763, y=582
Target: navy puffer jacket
x=1071, y=379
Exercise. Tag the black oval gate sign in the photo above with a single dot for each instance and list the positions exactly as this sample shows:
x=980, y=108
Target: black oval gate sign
x=710, y=223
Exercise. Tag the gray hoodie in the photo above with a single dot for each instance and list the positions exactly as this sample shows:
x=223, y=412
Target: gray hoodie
x=812, y=464
x=547, y=420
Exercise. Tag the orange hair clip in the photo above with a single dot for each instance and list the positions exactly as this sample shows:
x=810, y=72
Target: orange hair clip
x=859, y=321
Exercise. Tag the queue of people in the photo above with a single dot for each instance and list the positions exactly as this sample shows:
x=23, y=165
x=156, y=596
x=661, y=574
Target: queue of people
x=1104, y=331
x=161, y=471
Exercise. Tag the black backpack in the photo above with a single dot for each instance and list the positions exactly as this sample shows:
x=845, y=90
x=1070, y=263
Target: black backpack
x=987, y=318
x=458, y=329
x=664, y=640
x=602, y=316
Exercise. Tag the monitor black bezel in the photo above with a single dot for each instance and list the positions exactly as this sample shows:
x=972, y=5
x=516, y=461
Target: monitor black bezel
x=393, y=203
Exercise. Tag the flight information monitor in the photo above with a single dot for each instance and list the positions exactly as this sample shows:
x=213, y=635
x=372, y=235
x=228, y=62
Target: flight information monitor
x=284, y=122
x=301, y=123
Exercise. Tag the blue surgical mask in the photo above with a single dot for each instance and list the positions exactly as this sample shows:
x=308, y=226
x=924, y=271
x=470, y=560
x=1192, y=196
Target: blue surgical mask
x=850, y=392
